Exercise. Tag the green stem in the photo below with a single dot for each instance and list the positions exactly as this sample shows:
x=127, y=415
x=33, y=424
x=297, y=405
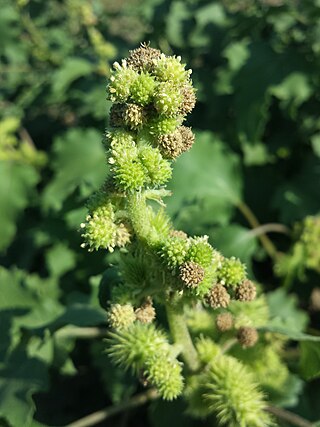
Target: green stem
x=99, y=416
x=254, y=223
x=81, y=333
x=292, y=418
x=181, y=336
x=139, y=215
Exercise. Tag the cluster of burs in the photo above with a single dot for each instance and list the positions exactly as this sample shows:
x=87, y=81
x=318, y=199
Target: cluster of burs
x=151, y=94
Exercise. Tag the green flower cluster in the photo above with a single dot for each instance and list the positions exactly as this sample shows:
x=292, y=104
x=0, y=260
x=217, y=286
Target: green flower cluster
x=152, y=93
x=203, y=272
x=103, y=229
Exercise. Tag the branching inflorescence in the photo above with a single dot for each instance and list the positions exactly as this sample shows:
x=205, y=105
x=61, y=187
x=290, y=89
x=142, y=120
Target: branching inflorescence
x=151, y=94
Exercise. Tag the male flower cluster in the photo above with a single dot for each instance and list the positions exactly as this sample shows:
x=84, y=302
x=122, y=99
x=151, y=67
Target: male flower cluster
x=152, y=93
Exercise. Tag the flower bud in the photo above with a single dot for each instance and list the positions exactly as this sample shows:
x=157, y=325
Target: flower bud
x=232, y=272
x=218, y=297
x=191, y=274
x=164, y=125
x=129, y=176
x=188, y=99
x=174, y=251
x=167, y=99
x=134, y=116
x=170, y=69
x=247, y=337
x=143, y=58
x=178, y=233
x=200, y=251
x=121, y=80
x=158, y=169
x=146, y=313
x=246, y=291
x=120, y=316
x=142, y=89
x=224, y=322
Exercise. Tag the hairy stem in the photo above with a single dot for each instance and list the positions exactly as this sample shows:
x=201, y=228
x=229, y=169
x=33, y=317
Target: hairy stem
x=254, y=223
x=181, y=336
x=99, y=416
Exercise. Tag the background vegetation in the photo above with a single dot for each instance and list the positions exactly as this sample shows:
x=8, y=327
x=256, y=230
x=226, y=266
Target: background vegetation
x=256, y=67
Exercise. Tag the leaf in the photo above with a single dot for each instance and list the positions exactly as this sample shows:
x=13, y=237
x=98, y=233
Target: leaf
x=178, y=14
x=253, y=96
x=80, y=315
x=20, y=378
x=72, y=69
x=26, y=303
x=60, y=259
x=299, y=196
x=288, y=396
x=315, y=142
x=211, y=14
x=285, y=314
x=234, y=240
x=196, y=218
x=290, y=333
x=79, y=162
x=211, y=168
x=17, y=183
x=310, y=359
x=293, y=90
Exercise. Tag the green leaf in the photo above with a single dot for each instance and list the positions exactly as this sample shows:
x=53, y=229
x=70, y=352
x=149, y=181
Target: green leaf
x=211, y=14
x=237, y=54
x=293, y=90
x=253, y=96
x=60, y=259
x=196, y=218
x=315, y=142
x=178, y=14
x=288, y=396
x=234, y=240
x=209, y=169
x=27, y=302
x=285, y=314
x=299, y=196
x=81, y=315
x=72, y=69
x=290, y=333
x=79, y=162
x=17, y=182
x=20, y=378
x=310, y=359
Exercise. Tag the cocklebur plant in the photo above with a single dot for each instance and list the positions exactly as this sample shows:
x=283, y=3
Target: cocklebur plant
x=159, y=266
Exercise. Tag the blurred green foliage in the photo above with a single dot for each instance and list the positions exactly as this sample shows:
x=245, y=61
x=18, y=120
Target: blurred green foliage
x=256, y=66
